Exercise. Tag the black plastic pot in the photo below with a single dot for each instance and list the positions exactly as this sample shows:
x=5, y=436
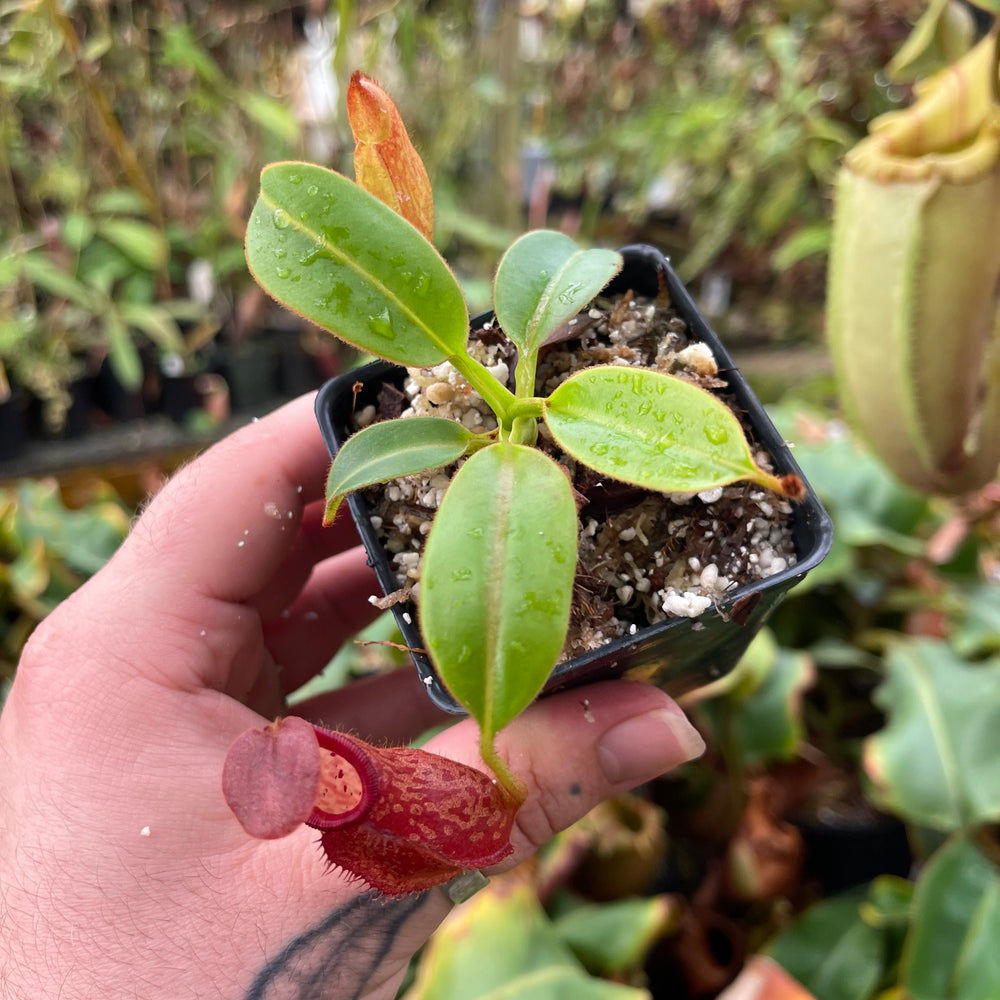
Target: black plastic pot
x=251, y=372
x=678, y=654
x=13, y=424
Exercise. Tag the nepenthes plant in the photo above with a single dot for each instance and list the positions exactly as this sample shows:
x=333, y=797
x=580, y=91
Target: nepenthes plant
x=356, y=258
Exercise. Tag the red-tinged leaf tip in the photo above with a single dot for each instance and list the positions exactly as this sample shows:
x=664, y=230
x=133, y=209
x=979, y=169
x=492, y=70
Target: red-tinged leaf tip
x=385, y=161
x=407, y=820
x=330, y=510
x=792, y=486
x=369, y=109
x=271, y=776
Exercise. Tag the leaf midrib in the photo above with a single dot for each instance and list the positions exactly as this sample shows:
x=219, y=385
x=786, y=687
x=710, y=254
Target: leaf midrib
x=531, y=338
x=739, y=471
x=494, y=589
x=946, y=752
x=351, y=263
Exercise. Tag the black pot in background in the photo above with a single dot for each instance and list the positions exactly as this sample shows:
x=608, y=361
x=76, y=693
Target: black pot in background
x=843, y=851
x=680, y=653
x=298, y=372
x=250, y=369
x=117, y=402
x=13, y=424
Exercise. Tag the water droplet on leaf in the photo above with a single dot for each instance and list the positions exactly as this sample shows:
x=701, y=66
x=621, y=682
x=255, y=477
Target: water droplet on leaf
x=311, y=256
x=566, y=296
x=381, y=325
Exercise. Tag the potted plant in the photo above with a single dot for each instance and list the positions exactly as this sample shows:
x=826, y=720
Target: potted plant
x=500, y=561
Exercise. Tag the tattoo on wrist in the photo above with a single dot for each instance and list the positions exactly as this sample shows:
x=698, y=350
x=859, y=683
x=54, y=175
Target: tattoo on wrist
x=338, y=956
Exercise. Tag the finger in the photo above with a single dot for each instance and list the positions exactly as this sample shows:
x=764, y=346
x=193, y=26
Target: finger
x=332, y=607
x=311, y=544
x=223, y=525
x=388, y=708
x=577, y=748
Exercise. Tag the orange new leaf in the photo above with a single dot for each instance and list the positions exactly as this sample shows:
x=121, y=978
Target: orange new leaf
x=385, y=162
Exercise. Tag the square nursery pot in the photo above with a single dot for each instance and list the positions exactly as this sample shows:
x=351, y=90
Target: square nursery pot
x=677, y=654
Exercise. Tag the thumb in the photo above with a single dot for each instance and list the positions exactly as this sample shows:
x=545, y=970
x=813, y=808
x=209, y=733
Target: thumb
x=577, y=748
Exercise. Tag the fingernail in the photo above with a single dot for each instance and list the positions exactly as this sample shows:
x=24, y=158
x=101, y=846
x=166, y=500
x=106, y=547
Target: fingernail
x=645, y=746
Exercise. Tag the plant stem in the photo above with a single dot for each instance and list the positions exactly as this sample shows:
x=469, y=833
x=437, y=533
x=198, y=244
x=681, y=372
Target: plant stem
x=524, y=429
x=514, y=788
x=498, y=397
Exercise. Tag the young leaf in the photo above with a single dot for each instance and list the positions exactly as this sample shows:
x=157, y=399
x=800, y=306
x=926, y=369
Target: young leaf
x=385, y=162
x=336, y=255
x=543, y=280
x=497, y=580
x=652, y=430
x=389, y=449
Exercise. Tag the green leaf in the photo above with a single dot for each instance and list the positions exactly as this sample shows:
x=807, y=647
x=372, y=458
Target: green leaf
x=768, y=723
x=497, y=579
x=271, y=115
x=501, y=946
x=953, y=948
x=82, y=539
x=337, y=256
x=832, y=951
x=77, y=230
x=943, y=34
x=650, y=429
x=122, y=352
x=156, y=322
x=977, y=630
x=869, y=505
x=543, y=280
x=10, y=268
x=393, y=448
x=181, y=49
x=44, y=274
x=935, y=763
x=28, y=574
x=14, y=334
x=119, y=201
x=142, y=243
x=889, y=903
x=613, y=938
x=810, y=241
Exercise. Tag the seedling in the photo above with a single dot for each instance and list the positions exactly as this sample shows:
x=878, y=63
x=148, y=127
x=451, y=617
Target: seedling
x=499, y=563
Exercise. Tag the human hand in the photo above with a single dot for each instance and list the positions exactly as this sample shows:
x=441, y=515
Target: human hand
x=123, y=873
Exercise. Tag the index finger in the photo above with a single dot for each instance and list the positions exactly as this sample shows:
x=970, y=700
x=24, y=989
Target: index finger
x=223, y=525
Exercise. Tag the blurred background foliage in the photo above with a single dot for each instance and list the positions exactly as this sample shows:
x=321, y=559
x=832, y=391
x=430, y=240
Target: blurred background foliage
x=851, y=768
x=131, y=137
